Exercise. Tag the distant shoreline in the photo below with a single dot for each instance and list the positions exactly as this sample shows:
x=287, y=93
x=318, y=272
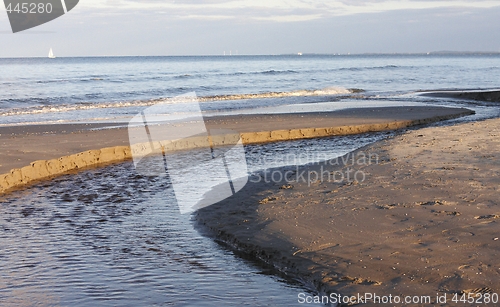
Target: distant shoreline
x=432, y=53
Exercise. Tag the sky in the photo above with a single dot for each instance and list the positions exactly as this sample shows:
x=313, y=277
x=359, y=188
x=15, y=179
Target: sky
x=212, y=27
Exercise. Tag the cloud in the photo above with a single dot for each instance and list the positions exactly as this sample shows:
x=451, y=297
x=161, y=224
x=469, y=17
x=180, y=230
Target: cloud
x=276, y=10
x=93, y=31
x=278, y=4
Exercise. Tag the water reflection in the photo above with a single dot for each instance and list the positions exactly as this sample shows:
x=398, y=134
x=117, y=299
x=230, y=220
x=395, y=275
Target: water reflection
x=111, y=237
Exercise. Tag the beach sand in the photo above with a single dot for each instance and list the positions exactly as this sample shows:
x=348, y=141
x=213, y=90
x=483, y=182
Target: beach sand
x=423, y=221
x=32, y=153
x=479, y=95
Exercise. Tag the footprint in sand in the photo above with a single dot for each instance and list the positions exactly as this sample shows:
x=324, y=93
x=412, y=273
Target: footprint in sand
x=432, y=203
x=477, y=291
x=387, y=207
x=488, y=216
x=267, y=199
x=454, y=213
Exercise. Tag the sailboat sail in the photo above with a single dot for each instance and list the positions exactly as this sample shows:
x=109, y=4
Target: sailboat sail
x=51, y=54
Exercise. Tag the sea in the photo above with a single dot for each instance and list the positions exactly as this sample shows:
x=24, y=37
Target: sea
x=111, y=237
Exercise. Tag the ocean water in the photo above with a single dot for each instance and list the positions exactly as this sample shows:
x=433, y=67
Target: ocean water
x=111, y=237
x=35, y=90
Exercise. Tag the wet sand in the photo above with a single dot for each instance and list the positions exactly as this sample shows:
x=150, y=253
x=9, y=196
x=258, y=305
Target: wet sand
x=423, y=221
x=479, y=95
x=33, y=153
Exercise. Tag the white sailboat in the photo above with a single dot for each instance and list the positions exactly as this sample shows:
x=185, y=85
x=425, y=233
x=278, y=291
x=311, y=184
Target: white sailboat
x=51, y=54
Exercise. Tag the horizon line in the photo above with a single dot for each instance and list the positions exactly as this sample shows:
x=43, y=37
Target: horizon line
x=298, y=54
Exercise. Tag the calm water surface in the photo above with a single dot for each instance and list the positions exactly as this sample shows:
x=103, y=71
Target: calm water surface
x=40, y=90
x=110, y=237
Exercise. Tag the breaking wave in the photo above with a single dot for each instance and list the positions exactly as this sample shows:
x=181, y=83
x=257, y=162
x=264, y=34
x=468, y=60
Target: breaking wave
x=145, y=103
x=298, y=93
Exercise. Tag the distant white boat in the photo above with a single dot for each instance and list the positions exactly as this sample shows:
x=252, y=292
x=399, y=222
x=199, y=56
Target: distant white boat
x=300, y=53
x=51, y=54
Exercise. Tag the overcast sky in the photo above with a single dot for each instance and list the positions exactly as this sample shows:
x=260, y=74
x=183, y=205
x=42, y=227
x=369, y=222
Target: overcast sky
x=210, y=27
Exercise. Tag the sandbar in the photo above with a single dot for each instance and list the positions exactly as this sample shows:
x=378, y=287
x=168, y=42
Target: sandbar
x=33, y=153
x=424, y=221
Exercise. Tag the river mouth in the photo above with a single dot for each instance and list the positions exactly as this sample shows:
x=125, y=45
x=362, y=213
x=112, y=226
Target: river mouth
x=109, y=236
x=105, y=237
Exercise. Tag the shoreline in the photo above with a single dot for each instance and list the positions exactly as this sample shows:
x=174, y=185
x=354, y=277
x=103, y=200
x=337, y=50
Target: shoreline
x=479, y=95
x=431, y=194
x=29, y=156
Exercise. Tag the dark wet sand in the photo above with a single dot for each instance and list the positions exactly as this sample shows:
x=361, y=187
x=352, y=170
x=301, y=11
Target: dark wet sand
x=491, y=95
x=425, y=220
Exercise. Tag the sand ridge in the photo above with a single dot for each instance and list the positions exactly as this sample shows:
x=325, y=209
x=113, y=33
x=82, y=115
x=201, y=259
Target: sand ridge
x=66, y=148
